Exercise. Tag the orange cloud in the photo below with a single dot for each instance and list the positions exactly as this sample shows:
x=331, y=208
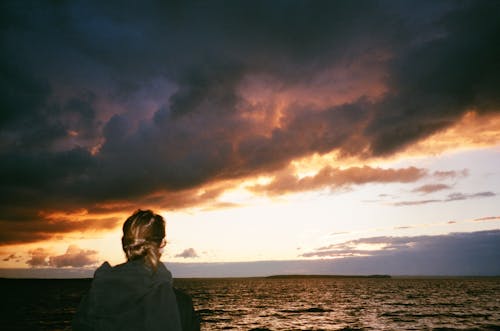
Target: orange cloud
x=74, y=257
x=336, y=178
x=38, y=257
x=429, y=188
x=47, y=225
x=268, y=97
x=471, y=131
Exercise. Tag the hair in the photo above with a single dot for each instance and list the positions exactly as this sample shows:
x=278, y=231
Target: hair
x=143, y=233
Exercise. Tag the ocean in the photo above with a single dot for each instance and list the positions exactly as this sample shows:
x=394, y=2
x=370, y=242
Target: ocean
x=285, y=303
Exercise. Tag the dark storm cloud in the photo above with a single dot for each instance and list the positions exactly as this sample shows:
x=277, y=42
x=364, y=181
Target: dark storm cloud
x=41, y=227
x=112, y=102
x=435, y=80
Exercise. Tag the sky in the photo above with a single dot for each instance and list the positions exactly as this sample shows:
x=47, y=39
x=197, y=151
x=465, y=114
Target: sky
x=319, y=137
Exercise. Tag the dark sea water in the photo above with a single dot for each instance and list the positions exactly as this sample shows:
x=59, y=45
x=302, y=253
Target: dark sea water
x=286, y=304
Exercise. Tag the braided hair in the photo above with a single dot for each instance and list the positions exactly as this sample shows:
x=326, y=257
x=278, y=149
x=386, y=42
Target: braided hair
x=143, y=233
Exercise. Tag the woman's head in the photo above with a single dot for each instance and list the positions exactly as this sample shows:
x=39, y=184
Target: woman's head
x=143, y=236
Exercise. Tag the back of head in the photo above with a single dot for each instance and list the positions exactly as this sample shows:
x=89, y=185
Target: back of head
x=143, y=234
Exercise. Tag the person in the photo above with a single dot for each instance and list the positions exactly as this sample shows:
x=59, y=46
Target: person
x=138, y=294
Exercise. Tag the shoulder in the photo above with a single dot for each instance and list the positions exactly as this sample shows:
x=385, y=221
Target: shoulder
x=103, y=268
x=162, y=273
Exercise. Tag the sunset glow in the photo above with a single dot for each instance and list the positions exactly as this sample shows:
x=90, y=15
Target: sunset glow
x=347, y=131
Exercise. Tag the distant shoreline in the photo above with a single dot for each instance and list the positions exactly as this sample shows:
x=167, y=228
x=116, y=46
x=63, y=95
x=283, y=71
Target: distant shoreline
x=326, y=276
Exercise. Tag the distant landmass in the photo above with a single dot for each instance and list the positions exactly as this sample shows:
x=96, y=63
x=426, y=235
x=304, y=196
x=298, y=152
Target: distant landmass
x=328, y=276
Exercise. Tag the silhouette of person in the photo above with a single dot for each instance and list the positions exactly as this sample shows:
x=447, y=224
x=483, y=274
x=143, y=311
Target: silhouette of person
x=138, y=294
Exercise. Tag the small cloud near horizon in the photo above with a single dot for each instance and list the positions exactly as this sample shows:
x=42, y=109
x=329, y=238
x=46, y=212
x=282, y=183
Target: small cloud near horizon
x=188, y=253
x=451, y=174
x=74, y=257
x=487, y=218
x=450, y=198
x=430, y=188
x=12, y=256
x=38, y=257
